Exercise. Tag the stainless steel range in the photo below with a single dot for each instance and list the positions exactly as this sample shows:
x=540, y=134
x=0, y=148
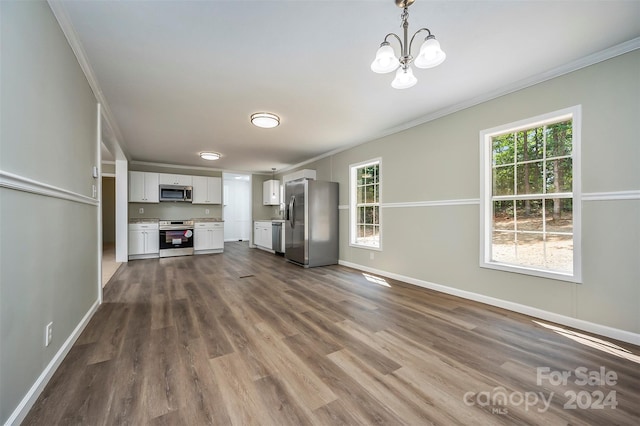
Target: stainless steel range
x=176, y=237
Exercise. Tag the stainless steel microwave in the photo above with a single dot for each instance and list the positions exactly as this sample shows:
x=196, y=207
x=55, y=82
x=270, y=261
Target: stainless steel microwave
x=175, y=193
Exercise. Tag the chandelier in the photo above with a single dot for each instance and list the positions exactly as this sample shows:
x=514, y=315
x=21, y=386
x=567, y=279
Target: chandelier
x=386, y=61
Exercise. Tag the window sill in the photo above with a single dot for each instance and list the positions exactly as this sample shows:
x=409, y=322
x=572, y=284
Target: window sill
x=366, y=247
x=560, y=276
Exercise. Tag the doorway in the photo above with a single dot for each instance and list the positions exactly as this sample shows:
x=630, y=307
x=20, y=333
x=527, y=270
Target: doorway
x=236, y=209
x=109, y=264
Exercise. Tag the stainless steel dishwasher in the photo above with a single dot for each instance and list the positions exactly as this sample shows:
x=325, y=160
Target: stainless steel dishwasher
x=276, y=237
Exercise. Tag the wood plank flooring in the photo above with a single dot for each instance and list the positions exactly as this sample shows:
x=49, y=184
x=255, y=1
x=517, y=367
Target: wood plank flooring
x=245, y=338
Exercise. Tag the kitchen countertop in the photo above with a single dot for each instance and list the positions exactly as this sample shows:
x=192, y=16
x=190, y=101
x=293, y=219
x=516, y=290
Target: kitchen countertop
x=207, y=219
x=143, y=220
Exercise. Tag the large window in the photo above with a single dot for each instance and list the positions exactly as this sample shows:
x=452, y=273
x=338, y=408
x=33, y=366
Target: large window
x=531, y=196
x=365, y=204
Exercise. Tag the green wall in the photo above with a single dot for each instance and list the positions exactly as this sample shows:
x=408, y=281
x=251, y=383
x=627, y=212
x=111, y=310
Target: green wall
x=48, y=244
x=439, y=160
x=259, y=210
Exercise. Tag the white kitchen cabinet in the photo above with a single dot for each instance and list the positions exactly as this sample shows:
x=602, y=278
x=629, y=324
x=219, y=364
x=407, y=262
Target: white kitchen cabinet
x=144, y=240
x=171, y=179
x=208, y=237
x=262, y=237
x=300, y=174
x=207, y=190
x=271, y=193
x=143, y=187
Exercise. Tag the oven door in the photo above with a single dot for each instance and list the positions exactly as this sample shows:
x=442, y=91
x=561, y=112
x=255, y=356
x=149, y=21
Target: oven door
x=176, y=239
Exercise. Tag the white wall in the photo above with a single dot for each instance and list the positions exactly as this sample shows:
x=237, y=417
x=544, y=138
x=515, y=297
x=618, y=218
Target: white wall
x=48, y=215
x=439, y=161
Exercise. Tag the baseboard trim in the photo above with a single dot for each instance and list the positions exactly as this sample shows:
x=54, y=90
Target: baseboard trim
x=38, y=386
x=603, y=330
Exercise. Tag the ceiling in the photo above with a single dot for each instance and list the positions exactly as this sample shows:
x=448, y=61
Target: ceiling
x=181, y=77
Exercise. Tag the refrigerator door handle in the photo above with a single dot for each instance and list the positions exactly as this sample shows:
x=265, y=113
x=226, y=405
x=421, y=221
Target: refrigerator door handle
x=291, y=211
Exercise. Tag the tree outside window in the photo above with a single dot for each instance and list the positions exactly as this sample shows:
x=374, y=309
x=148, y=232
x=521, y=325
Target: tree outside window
x=530, y=203
x=365, y=204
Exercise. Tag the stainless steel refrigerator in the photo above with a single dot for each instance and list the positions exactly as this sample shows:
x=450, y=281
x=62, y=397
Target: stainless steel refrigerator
x=311, y=222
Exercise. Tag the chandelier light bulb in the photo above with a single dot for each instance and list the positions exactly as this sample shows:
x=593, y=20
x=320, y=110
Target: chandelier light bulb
x=404, y=79
x=431, y=55
x=385, y=60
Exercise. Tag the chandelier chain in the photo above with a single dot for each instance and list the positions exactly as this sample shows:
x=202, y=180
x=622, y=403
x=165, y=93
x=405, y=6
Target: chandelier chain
x=404, y=17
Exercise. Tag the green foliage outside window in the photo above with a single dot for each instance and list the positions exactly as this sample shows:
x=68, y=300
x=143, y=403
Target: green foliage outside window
x=367, y=204
x=532, y=181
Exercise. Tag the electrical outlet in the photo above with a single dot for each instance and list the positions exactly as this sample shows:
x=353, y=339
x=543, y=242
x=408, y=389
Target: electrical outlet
x=371, y=255
x=48, y=333
x=206, y=211
x=140, y=210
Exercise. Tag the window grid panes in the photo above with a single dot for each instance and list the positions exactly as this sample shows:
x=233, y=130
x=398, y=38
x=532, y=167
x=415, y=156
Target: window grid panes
x=366, y=227
x=532, y=198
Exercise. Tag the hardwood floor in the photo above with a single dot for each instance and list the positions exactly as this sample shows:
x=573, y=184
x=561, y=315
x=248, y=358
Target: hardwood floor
x=109, y=264
x=246, y=338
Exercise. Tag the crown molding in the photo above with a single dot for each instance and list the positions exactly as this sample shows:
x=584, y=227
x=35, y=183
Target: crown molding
x=177, y=166
x=603, y=55
x=61, y=15
x=570, y=67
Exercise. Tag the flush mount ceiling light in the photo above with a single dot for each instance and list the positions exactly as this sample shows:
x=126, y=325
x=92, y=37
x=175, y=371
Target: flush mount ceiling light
x=265, y=120
x=209, y=156
x=386, y=61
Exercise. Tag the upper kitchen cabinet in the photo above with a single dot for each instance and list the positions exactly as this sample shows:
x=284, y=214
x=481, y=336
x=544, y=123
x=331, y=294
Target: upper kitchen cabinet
x=271, y=193
x=169, y=179
x=207, y=190
x=143, y=187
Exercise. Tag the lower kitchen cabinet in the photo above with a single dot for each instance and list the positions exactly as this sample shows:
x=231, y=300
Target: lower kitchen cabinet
x=144, y=240
x=262, y=237
x=208, y=237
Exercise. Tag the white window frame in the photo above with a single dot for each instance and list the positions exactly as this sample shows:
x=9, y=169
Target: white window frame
x=353, y=200
x=486, y=205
